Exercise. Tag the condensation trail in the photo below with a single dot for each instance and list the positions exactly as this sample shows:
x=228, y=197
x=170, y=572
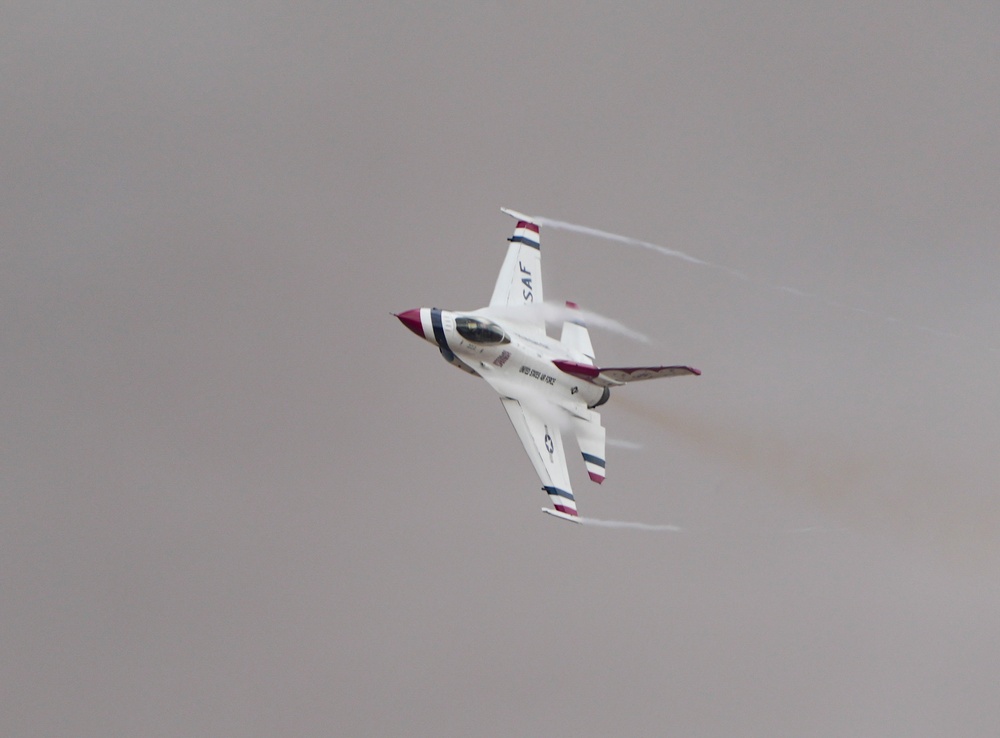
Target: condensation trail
x=608, y=236
x=596, y=320
x=554, y=313
x=623, y=444
x=627, y=525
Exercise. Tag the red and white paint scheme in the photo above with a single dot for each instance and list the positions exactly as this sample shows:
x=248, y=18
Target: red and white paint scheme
x=547, y=386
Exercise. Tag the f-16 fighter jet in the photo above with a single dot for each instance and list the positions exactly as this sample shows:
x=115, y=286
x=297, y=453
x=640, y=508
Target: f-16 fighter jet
x=547, y=386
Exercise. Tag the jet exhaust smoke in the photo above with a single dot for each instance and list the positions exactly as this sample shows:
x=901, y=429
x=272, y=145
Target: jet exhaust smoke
x=860, y=484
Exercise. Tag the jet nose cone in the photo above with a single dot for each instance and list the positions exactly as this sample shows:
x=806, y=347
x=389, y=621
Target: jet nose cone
x=411, y=319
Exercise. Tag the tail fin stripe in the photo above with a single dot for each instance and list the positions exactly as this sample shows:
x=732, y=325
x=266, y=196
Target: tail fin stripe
x=556, y=491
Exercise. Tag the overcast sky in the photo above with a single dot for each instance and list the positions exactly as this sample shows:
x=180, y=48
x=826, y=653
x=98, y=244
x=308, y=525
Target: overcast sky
x=237, y=497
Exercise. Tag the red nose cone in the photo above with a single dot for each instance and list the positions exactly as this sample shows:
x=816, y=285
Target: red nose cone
x=411, y=319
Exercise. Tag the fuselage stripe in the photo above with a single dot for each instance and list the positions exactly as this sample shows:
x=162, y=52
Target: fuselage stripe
x=439, y=336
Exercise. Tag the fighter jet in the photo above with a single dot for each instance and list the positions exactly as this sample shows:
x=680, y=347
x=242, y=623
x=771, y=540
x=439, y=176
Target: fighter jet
x=547, y=386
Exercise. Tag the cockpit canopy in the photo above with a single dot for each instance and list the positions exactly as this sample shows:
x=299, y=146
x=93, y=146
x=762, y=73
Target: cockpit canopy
x=478, y=330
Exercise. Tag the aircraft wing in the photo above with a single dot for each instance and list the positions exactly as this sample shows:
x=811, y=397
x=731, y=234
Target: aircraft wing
x=617, y=376
x=543, y=443
x=519, y=283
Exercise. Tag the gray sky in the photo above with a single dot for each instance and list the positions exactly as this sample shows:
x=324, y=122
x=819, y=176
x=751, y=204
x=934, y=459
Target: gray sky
x=238, y=498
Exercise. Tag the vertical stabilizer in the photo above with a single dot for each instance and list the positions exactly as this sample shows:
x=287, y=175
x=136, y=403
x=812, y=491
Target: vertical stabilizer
x=576, y=338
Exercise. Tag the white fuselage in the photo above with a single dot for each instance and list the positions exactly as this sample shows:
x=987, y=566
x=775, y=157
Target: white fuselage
x=548, y=387
x=479, y=342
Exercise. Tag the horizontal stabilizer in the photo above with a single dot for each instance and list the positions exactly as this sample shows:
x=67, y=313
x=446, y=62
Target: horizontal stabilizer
x=590, y=437
x=561, y=515
x=616, y=376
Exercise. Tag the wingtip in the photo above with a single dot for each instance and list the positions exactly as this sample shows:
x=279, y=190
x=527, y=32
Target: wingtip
x=561, y=515
x=517, y=216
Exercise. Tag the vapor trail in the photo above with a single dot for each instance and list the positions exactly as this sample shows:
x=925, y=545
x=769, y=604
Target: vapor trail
x=622, y=443
x=555, y=313
x=598, y=523
x=608, y=236
x=596, y=320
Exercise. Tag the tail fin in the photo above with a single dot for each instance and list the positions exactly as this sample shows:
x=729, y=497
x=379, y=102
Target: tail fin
x=576, y=338
x=616, y=376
